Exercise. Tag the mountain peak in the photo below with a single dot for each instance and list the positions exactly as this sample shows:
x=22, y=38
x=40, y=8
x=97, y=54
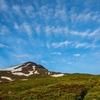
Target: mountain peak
x=25, y=71
x=29, y=62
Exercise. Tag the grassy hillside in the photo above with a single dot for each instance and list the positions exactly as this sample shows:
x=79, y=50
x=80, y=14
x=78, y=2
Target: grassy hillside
x=70, y=87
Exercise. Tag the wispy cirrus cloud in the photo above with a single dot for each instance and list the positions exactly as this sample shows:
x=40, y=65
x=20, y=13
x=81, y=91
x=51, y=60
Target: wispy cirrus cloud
x=97, y=54
x=16, y=26
x=95, y=32
x=69, y=63
x=4, y=30
x=29, y=10
x=66, y=31
x=80, y=45
x=20, y=40
x=43, y=61
x=44, y=11
x=61, y=13
x=21, y=56
x=3, y=6
x=78, y=33
x=3, y=46
x=60, y=44
x=86, y=45
x=38, y=29
x=17, y=10
x=56, y=53
x=56, y=30
x=88, y=34
x=48, y=45
x=85, y=16
x=76, y=55
x=48, y=30
x=24, y=27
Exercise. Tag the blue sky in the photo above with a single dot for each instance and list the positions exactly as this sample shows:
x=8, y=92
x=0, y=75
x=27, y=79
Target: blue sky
x=62, y=35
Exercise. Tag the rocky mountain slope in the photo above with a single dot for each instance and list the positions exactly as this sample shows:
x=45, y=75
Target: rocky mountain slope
x=26, y=71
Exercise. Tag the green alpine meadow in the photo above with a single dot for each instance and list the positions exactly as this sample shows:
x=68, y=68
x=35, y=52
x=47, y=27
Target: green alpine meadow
x=69, y=87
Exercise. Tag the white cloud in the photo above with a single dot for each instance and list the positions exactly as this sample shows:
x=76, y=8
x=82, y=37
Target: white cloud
x=29, y=9
x=65, y=31
x=24, y=27
x=3, y=6
x=48, y=30
x=56, y=30
x=50, y=13
x=57, y=45
x=48, y=45
x=4, y=30
x=20, y=56
x=52, y=61
x=43, y=61
x=82, y=34
x=38, y=30
x=63, y=60
x=97, y=54
x=84, y=17
x=56, y=53
x=81, y=45
x=89, y=35
x=19, y=40
x=76, y=55
x=96, y=16
x=60, y=30
x=84, y=55
x=27, y=27
x=60, y=13
x=44, y=11
x=86, y=45
x=69, y=63
x=17, y=10
x=94, y=33
x=92, y=46
x=16, y=26
x=3, y=46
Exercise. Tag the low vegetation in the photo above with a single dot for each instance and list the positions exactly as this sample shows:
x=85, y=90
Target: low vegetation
x=70, y=87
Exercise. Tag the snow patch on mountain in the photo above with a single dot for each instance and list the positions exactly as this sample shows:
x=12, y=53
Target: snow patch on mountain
x=57, y=75
x=49, y=73
x=23, y=79
x=23, y=74
x=7, y=78
x=13, y=68
x=36, y=72
x=16, y=68
x=15, y=71
x=33, y=68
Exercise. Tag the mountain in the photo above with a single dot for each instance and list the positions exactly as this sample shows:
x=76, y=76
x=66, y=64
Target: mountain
x=26, y=71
